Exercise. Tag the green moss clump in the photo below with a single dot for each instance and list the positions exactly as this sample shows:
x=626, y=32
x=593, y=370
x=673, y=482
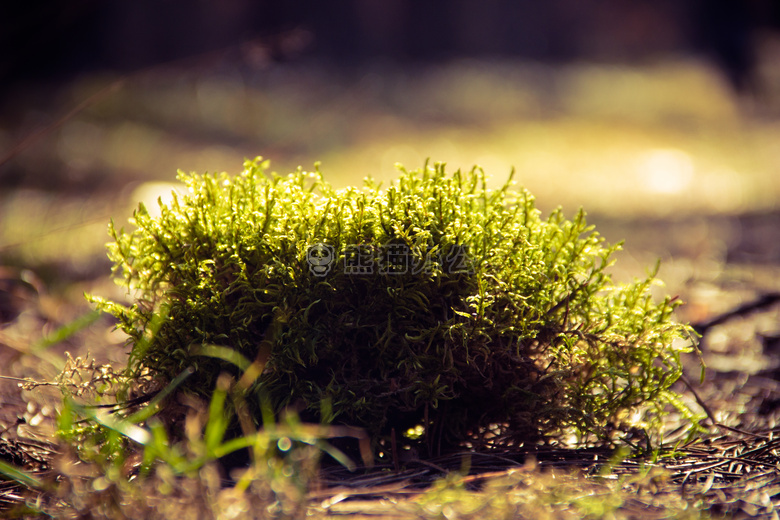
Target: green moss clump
x=436, y=302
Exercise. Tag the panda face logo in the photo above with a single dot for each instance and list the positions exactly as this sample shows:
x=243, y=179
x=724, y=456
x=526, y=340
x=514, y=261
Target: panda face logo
x=320, y=259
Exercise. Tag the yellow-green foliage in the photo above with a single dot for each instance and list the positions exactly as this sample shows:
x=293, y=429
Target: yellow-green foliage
x=480, y=320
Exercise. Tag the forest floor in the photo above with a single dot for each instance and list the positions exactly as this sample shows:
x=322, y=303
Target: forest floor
x=714, y=222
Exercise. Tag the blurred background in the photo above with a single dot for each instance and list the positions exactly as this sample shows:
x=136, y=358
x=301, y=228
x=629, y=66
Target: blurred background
x=659, y=117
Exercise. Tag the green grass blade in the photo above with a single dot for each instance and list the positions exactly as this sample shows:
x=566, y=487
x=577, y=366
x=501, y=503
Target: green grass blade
x=20, y=476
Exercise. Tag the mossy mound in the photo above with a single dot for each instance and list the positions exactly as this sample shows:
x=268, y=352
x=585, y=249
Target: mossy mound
x=436, y=302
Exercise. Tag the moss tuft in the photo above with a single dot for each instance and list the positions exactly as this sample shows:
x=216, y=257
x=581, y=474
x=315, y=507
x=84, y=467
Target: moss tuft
x=435, y=303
